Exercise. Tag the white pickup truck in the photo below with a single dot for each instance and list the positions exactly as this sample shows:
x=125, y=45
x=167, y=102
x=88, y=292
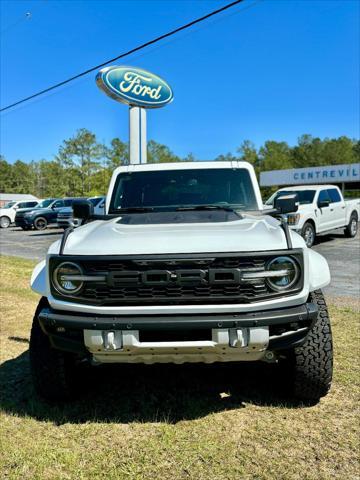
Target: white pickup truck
x=321, y=208
x=185, y=266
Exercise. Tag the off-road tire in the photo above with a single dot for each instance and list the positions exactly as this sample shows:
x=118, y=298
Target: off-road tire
x=350, y=231
x=312, y=363
x=54, y=373
x=309, y=240
x=5, y=222
x=40, y=223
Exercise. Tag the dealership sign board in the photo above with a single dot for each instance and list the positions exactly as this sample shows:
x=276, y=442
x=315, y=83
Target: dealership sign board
x=312, y=175
x=134, y=86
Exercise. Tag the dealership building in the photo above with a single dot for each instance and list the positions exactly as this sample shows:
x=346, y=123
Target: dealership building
x=347, y=177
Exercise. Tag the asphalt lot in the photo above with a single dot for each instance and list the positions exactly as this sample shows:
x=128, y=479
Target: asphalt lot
x=343, y=254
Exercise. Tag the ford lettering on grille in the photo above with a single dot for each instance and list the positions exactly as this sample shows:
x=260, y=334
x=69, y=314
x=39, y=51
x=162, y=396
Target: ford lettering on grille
x=175, y=277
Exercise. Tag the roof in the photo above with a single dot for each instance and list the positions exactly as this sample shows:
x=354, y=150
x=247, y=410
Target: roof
x=307, y=187
x=16, y=197
x=147, y=167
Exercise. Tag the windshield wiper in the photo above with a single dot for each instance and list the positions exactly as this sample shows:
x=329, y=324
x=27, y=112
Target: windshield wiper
x=134, y=209
x=207, y=207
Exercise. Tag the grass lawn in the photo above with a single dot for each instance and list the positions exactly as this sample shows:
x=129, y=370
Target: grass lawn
x=173, y=422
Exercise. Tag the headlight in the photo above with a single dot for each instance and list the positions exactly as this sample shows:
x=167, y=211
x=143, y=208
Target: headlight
x=283, y=273
x=293, y=218
x=66, y=278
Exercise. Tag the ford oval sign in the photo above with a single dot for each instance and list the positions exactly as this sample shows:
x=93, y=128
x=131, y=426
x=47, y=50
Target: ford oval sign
x=134, y=86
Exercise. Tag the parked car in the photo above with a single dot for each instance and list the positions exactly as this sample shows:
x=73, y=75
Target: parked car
x=46, y=214
x=184, y=267
x=65, y=216
x=8, y=211
x=23, y=217
x=321, y=208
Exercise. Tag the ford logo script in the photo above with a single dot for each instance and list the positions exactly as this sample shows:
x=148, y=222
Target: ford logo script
x=134, y=86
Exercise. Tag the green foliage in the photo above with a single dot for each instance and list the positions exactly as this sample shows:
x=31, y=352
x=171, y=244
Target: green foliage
x=158, y=153
x=79, y=157
x=83, y=166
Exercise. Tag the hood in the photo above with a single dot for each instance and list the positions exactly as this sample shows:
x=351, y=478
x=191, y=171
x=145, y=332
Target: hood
x=65, y=210
x=39, y=210
x=250, y=233
x=306, y=208
x=23, y=210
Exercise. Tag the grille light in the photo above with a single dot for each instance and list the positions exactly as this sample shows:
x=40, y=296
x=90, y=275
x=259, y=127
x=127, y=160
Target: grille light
x=67, y=278
x=284, y=273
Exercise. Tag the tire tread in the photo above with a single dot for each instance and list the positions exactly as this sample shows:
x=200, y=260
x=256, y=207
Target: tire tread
x=53, y=371
x=314, y=359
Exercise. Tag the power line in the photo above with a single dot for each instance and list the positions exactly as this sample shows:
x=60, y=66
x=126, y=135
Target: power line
x=125, y=54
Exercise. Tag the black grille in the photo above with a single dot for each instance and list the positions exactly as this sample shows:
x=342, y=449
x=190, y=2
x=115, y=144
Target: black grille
x=174, y=295
x=64, y=215
x=124, y=285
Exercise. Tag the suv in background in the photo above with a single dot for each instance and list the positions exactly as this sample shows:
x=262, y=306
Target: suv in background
x=22, y=215
x=8, y=211
x=65, y=217
x=43, y=215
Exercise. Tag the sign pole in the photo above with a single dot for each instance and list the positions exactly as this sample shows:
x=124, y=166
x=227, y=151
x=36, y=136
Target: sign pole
x=137, y=135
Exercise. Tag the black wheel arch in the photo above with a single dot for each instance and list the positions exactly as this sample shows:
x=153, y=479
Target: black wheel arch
x=353, y=214
x=312, y=223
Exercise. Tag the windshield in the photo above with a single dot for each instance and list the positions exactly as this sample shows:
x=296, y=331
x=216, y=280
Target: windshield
x=171, y=189
x=45, y=203
x=305, y=196
x=9, y=205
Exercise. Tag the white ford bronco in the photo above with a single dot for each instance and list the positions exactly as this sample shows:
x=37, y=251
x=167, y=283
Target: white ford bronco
x=184, y=266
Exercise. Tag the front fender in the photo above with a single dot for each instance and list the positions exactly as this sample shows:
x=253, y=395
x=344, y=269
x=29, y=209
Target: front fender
x=319, y=272
x=38, y=279
x=305, y=218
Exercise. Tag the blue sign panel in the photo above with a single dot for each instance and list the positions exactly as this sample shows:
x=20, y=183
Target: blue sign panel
x=134, y=86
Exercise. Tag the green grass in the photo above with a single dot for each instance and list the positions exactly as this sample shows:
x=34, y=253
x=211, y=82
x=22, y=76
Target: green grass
x=173, y=422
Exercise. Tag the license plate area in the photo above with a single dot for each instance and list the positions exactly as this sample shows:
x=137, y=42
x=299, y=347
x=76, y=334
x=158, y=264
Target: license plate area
x=175, y=335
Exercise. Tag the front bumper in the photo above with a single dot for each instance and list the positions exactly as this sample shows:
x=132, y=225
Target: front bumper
x=64, y=222
x=23, y=221
x=178, y=339
x=67, y=222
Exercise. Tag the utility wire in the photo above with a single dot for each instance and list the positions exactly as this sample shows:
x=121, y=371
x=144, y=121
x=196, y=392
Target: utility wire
x=125, y=54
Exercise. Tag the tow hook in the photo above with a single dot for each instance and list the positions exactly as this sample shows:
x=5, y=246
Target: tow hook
x=112, y=340
x=236, y=338
x=270, y=357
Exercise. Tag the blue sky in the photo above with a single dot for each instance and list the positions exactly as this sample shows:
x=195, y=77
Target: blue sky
x=263, y=70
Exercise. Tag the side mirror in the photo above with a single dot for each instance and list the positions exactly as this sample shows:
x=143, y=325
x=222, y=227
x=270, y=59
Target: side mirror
x=287, y=204
x=323, y=203
x=83, y=209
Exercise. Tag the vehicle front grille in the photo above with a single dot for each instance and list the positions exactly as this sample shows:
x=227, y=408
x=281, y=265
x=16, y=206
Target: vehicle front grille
x=170, y=280
x=20, y=219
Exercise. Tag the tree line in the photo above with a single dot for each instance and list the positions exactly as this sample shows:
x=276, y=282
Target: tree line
x=83, y=166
